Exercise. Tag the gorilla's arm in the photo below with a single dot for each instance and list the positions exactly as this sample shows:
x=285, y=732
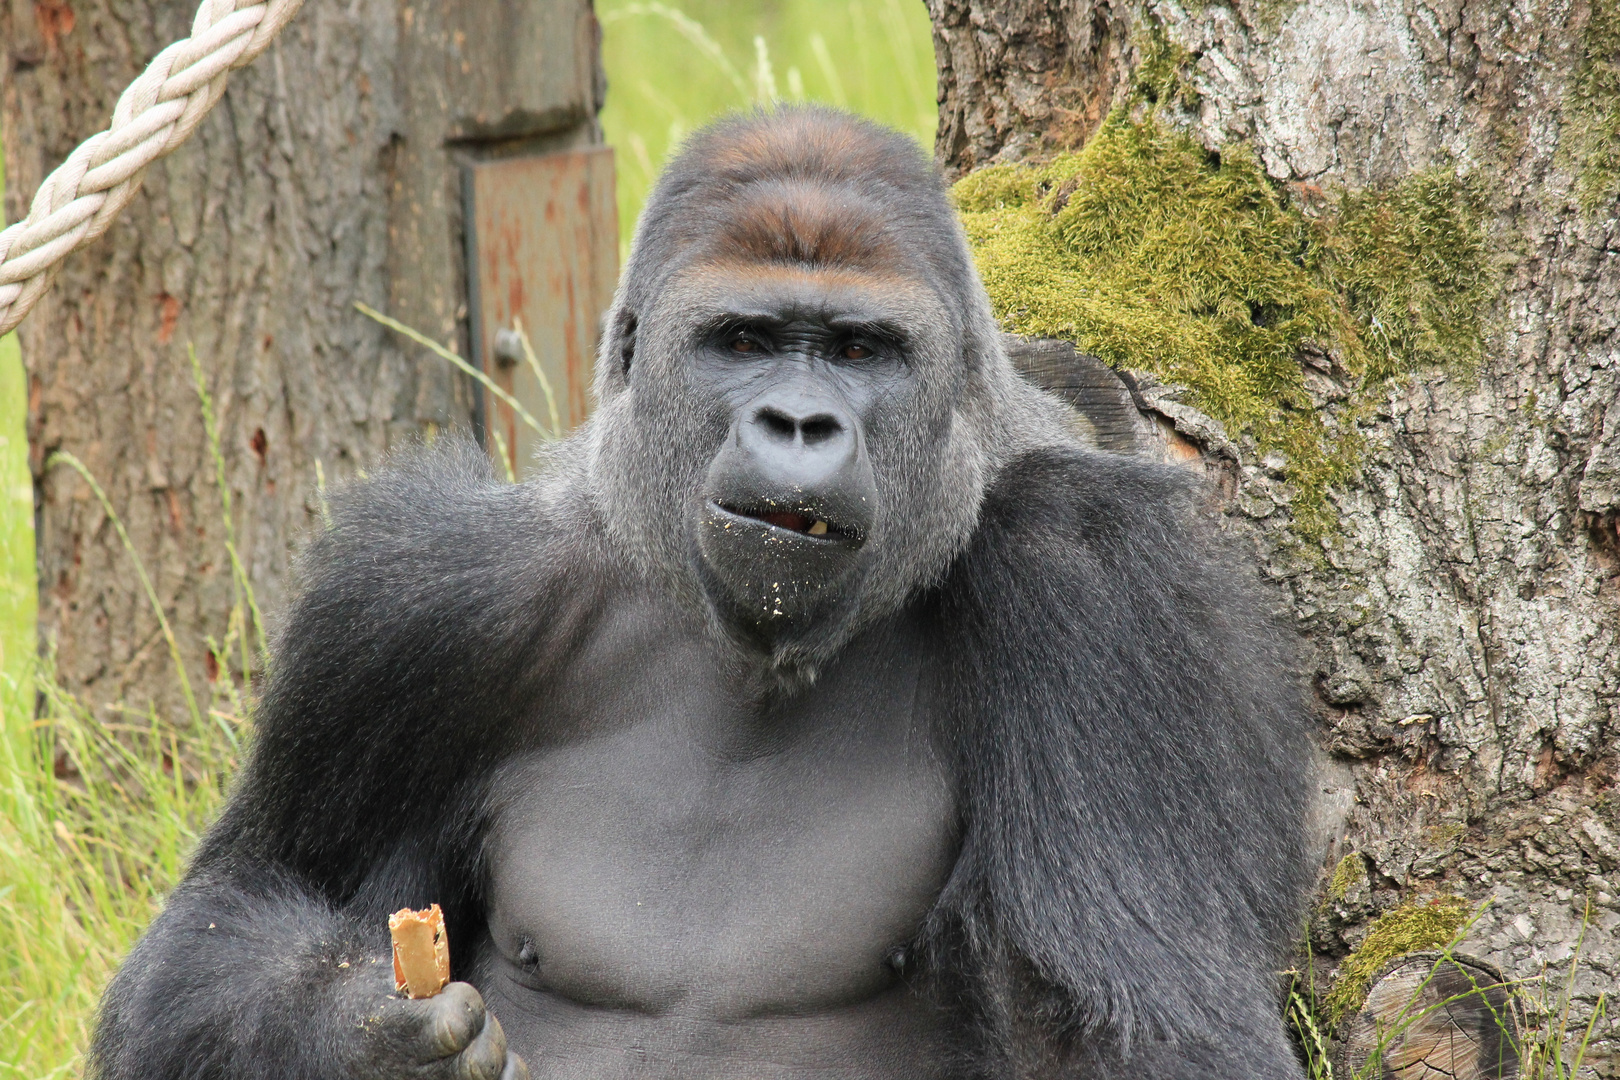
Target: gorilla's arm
x=1133, y=751
x=363, y=794
x=246, y=976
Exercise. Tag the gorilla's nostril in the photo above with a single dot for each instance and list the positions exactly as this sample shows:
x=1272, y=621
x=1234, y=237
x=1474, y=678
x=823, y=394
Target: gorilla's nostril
x=778, y=424
x=820, y=428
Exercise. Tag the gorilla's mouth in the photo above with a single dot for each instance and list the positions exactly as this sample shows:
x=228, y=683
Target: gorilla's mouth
x=795, y=522
x=804, y=521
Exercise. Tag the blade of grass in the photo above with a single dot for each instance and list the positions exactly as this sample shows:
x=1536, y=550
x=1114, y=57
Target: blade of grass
x=1598, y=1012
x=764, y=74
x=504, y=453
x=897, y=33
x=320, y=495
x=65, y=458
x=540, y=375
x=691, y=30
x=239, y=575
x=829, y=70
x=1318, y=1062
x=439, y=350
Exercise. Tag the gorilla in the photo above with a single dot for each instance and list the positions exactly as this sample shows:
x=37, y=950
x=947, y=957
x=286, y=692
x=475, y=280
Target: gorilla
x=825, y=707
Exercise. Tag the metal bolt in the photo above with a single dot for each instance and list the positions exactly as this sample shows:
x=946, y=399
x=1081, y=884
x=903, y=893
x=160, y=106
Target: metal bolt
x=508, y=348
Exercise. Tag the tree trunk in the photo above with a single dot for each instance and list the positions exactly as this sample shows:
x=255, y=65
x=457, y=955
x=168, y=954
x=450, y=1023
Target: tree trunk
x=1462, y=614
x=328, y=174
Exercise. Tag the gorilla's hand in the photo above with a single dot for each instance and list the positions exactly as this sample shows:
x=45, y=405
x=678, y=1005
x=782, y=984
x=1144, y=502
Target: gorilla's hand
x=450, y=1036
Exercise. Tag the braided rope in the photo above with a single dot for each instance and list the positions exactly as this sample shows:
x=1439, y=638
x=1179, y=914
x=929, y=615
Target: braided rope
x=80, y=199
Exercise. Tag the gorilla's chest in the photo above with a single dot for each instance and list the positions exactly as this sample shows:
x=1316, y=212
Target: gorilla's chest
x=683, y=854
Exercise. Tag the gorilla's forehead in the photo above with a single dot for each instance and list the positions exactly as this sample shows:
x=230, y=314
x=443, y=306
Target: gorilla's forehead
x=810, y=221
x=804, y=187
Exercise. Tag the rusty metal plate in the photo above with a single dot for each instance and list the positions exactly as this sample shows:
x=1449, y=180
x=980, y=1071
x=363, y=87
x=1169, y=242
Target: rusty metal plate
x=542, y=246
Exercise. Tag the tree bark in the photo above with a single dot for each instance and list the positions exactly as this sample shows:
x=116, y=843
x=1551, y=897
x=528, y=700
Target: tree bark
x=1463, y=631
x=329, y=173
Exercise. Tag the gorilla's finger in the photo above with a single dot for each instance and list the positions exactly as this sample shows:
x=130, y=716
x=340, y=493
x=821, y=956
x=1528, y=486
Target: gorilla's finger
x=516, y=1068
x=451, y=1020
x=486, y=1057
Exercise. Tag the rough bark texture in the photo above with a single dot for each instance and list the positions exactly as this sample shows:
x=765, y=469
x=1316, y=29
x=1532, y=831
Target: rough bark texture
x=328, y=174
x=1463, y=628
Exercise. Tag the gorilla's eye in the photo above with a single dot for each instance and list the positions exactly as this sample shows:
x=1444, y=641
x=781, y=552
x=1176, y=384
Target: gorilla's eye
x=856, y=351
x=744, y=345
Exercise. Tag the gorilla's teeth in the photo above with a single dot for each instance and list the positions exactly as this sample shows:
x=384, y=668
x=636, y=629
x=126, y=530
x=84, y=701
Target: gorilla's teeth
x=818, y=529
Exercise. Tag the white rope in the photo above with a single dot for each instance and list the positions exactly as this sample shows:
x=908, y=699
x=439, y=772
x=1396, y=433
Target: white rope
x=78, y=201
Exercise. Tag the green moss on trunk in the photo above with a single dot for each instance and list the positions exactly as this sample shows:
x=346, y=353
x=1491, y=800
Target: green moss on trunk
x=1591, y=133
x=1152, y=253
x=1407, y=929
x=1350, y=872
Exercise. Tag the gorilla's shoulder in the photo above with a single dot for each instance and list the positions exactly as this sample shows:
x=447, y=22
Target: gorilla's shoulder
x=431, y=606
x=432, y=569
x=434, y=535
x=433, y=506
x=1120, y=544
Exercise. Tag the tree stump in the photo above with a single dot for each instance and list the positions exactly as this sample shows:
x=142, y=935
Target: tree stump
x=1097, y=394
x=1438, y=1017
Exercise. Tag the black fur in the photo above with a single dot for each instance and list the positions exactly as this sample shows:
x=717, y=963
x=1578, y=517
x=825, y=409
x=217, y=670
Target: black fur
x=1128, y=736
x=1123, y=740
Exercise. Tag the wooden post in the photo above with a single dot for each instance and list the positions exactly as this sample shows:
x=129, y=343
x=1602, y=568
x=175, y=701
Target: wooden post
x=543, y=253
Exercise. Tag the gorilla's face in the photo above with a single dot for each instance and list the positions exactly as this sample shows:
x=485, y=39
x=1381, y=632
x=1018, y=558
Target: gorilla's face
x=798, y=424
x=798, y=385
x=806, y=370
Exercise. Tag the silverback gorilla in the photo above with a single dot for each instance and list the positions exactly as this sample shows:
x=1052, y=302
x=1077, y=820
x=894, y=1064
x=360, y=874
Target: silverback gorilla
x=823, y=709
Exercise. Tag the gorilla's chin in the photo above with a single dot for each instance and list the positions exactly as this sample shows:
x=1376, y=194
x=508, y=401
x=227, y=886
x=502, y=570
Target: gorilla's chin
x=775, y=574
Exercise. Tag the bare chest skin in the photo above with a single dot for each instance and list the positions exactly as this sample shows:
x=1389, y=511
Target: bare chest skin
x=690, y=884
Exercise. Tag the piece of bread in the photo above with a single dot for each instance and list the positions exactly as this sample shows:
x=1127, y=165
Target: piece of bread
x=421, y=951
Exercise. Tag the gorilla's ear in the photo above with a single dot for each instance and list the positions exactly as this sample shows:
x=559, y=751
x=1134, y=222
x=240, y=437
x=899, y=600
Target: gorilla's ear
x=625, y=331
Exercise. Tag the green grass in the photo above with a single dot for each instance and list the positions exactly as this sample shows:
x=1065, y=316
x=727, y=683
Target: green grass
x=19, y=593
x=673, y=66
x=100, y=815
x=99, y=819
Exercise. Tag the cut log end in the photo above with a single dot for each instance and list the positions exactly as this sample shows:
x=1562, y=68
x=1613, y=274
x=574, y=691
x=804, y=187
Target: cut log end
x=1089, y=386
x=1434, y=1017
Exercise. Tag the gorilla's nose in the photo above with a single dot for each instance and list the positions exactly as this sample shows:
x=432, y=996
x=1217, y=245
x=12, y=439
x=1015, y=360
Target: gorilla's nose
x=796, y=459
x=800, y=442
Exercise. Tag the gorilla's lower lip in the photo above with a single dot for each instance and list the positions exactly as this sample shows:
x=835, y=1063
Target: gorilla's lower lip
x=803, y=522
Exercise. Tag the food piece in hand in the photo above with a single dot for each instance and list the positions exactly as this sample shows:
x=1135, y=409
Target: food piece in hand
x=421, y=951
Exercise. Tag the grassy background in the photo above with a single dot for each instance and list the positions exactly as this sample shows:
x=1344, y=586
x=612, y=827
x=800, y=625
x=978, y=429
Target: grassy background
x=672, y=67
x=96, y=819
x=18, y=595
